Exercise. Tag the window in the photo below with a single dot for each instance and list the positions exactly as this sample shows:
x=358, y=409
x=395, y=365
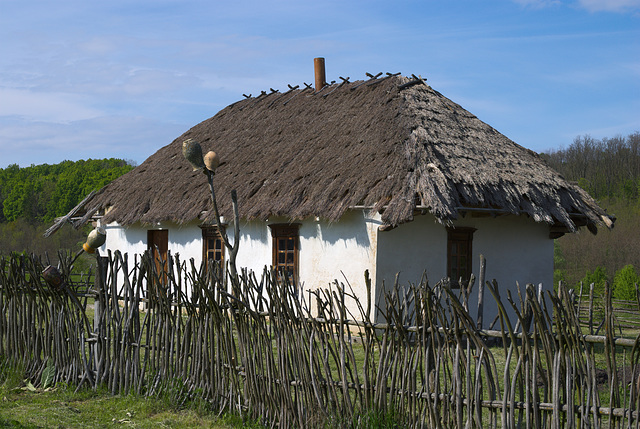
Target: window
x=285, y=251
x=212, y=245
x=459, y=255
x=158, y=245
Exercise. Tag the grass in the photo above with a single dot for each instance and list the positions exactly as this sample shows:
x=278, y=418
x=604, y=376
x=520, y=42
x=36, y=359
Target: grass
x=22, y=406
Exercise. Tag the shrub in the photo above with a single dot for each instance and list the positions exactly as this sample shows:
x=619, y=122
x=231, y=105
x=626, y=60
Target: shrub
x=624, y=283
x=598, y=277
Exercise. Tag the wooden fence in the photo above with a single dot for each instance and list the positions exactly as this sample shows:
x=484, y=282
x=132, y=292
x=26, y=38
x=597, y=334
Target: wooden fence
x=257, y=351
x=591, y=311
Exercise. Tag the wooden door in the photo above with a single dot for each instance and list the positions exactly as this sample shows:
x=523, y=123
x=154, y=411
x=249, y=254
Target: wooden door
x=158, y=244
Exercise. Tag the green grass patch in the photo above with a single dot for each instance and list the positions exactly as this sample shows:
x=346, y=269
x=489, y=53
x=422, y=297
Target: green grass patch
x=22, y=406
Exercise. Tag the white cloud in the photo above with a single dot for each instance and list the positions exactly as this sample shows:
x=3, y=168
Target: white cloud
x=24, y=142
x=98, y=46
x=590, y=5
x=53, y=107
x=537, y=4
x=610, y=5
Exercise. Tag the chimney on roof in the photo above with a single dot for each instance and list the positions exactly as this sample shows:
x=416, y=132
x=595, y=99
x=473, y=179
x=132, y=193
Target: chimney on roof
x=318, y=64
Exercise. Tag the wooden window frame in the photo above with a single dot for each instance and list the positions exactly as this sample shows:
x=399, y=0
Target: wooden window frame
x=459, y=245
x=291, y=234
x=211, y=232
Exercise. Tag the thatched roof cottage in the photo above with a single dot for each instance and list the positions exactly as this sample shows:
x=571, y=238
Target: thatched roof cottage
x=384, y=174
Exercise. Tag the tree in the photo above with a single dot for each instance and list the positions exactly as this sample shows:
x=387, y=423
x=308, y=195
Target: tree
x=609, y=170
x=37, y=194
x=624, y=283
x=13, y=204
x=41, y=193
x=609, y=167
x=598, y=277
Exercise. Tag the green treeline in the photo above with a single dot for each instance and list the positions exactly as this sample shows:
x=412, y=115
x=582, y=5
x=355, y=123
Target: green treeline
x=609, y=169
x=40, y=193
x=606, y=169
x=32, y=197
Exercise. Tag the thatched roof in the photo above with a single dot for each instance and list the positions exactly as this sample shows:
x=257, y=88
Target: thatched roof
x=393, y=144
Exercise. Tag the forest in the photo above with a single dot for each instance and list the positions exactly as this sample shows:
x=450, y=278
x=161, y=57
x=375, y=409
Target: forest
x=32, y=197
x=609, y=169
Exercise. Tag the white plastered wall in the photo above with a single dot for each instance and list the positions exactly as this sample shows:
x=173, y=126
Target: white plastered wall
x=328, y=251
x=516, y=249
x=185, y=240
x=340, y=251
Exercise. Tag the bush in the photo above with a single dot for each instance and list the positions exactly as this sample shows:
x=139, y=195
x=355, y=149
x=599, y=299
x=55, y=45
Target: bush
x=598, y=277
x=624, y=283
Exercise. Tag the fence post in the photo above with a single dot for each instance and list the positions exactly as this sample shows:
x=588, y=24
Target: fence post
x=590, y=307
x=483, y=266
x=99, y=308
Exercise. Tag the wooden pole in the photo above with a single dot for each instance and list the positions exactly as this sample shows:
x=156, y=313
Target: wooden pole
x=319, y=70
x=483, y=266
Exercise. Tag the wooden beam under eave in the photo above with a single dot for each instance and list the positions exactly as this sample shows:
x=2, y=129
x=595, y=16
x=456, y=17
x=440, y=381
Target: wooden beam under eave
x=557, y=231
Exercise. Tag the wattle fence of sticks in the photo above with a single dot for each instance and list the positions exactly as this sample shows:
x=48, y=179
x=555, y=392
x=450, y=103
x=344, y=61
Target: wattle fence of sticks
x=258, y=351
x=592, y=312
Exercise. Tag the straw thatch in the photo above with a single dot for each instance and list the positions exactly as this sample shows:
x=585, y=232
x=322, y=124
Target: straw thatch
x=392, y=144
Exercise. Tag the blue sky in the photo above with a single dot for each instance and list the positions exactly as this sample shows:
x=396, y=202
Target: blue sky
x=84, y=79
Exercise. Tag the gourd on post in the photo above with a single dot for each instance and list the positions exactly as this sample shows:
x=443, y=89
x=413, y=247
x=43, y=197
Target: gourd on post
x=192, y=151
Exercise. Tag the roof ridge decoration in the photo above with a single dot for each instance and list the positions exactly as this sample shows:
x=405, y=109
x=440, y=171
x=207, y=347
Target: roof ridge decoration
x=373, y=80
x=344, y=81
